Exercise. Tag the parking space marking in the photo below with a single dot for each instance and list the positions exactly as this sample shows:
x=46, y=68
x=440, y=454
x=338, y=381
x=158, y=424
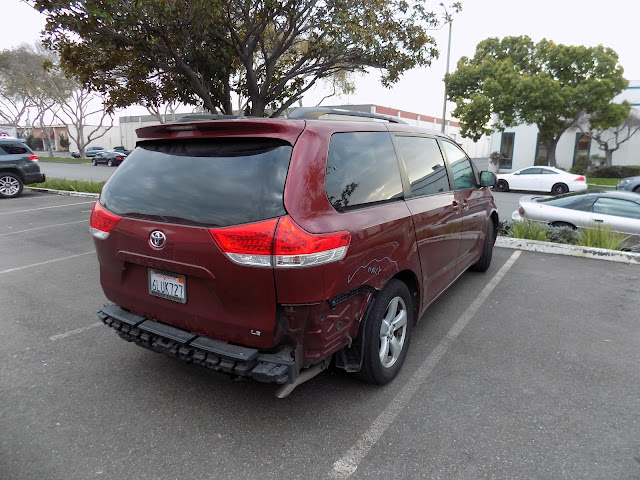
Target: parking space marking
x=9, y=270
x=73, y=332
x=45, y=208
x=347, y=465
x=46, y=226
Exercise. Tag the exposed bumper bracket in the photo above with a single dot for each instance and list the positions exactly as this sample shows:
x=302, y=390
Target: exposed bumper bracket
x=277, y=368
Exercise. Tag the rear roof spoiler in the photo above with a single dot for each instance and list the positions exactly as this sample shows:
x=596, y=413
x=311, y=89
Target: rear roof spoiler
x=317, y=112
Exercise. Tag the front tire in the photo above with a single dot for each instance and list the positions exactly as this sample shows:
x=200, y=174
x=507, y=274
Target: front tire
x=387, y=333
x=11, y=185
x=483, y=263
x=95, y=163
x=501, y=186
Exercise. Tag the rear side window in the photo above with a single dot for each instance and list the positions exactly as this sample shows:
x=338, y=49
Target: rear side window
x=212, y=182
x=14, y=148
x=618, y=207
x=425, y=165
x=362, y=169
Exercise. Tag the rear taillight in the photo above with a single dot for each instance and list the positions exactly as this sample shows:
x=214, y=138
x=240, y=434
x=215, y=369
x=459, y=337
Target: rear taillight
x=280, y=243
x=295, y=247
x=102, y=221
x=521, y=210
x=247, y=244
x=33, y=158
x=580, y=179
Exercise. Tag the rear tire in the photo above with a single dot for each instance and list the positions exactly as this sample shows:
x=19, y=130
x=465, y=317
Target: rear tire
x=501, y=186
x=387, y=333
x=483, y=263
x=11, y=185
x=95, y=163
x=110, y=162
x=559, y=189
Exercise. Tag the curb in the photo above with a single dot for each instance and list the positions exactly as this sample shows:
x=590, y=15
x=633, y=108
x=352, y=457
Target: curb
x=570, y=250
x=64, y=192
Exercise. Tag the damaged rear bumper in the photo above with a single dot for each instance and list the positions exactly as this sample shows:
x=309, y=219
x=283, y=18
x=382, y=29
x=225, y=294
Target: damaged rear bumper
x=277, y=368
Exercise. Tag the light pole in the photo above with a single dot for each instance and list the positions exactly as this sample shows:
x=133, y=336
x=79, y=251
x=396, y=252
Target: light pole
x=449, y=20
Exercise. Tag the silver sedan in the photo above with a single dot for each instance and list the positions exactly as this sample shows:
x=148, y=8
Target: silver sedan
x=618, y=210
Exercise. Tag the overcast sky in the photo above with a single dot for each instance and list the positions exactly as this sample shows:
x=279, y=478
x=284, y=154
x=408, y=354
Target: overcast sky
x=612, y=23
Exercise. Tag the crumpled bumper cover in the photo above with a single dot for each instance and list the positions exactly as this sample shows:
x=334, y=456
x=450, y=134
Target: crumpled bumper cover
x=277, y=368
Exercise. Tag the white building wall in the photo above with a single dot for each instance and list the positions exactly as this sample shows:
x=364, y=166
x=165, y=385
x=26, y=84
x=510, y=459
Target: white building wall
x=108, y=141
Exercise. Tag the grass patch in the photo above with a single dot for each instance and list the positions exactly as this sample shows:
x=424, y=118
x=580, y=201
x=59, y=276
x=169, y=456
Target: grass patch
x=603, y=181
x=86, y=186
x=529, y=230
x=601, y=238
x=588, y=237
x=64, y=160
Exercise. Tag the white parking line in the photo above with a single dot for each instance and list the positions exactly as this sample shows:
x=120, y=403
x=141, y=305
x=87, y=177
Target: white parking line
x=73, y=332
x=46, y=226
x=9, y=270
x=45, y=208
x=347, y=465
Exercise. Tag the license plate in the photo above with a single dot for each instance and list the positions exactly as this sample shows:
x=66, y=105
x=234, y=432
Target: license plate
x=168, y=285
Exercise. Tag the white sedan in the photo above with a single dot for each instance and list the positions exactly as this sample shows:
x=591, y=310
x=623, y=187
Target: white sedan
x=541, y=179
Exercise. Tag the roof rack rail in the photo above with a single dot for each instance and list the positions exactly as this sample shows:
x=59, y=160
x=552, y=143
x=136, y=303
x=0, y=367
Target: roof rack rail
x=205, y=117
x=317, y=112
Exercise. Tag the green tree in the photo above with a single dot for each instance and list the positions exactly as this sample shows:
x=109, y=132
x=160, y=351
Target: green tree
x=610, y=138
x=14, y=100
x=514, y=81
x=64, y=141
x=204, y=51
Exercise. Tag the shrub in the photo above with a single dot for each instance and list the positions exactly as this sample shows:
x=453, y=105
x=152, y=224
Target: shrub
x=504, y=228
x=601, y=238
x=606, y=172
x=565, y=235
x=630, y=170
x=581, y=167
x=530, y=230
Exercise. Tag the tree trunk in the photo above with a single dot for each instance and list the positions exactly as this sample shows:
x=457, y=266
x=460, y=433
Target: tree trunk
x=551, y=149
x=608, y=157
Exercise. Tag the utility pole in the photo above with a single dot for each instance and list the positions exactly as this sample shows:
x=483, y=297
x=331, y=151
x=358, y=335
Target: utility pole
x=449, y=19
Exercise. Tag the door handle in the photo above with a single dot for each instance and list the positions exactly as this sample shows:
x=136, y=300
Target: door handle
x=597, y=220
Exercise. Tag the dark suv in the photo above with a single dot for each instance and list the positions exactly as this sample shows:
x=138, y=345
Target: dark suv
x=267, y=247
x=18, y=167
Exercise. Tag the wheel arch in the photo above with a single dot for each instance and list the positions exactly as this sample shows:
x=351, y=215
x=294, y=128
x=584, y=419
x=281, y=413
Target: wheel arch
x=14, y=170
x=409, y=278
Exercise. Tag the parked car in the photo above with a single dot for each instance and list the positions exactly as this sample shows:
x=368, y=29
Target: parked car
x=18, y=167
x=630, y=184
x=265, y=247
x=89, y=152
x=121, y=150
x=618, y=210
x=541, y=179
x=111, y=158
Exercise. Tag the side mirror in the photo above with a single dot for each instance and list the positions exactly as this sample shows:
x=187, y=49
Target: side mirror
x=487, y=179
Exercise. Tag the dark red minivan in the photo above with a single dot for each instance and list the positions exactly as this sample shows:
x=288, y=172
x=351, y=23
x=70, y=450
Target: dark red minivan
x=266, y=248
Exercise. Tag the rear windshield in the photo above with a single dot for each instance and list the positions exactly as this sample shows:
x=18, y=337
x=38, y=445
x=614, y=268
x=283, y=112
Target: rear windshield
x=212, y=182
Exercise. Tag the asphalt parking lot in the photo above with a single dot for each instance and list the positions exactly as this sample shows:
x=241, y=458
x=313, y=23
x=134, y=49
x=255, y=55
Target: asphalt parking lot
x=530, y=370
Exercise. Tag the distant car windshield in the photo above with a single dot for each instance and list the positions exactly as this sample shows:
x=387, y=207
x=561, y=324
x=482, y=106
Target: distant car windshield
x=573, y=201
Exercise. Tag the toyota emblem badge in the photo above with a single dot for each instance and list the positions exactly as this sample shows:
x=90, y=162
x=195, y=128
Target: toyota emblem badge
x=157, y=239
